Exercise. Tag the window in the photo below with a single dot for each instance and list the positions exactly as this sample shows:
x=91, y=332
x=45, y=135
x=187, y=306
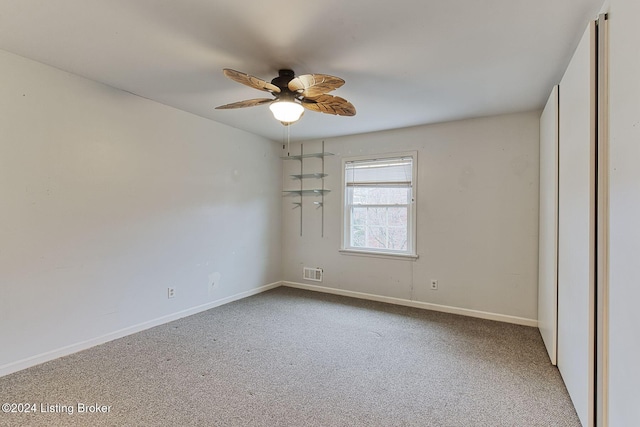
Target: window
x=379, y=204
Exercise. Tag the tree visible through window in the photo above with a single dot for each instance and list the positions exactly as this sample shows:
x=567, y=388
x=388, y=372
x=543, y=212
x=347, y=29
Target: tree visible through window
x=379, y=204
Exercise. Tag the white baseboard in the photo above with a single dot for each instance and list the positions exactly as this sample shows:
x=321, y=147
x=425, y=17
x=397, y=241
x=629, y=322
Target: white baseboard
x=74, y=348
x=417, y=304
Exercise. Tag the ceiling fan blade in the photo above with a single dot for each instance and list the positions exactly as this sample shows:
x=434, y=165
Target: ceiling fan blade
x=250, y=81
x=246, y=103
x=329, y=104
x=312, y=85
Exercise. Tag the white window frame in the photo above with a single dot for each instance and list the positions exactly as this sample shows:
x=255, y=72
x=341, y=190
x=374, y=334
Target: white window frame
x=346, y=247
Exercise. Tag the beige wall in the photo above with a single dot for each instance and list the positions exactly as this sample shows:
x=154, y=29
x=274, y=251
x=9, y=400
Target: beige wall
x=107, y=199
x=477, y=217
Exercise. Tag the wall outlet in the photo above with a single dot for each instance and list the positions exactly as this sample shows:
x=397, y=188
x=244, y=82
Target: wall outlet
x=434, y=284
x=171, y=292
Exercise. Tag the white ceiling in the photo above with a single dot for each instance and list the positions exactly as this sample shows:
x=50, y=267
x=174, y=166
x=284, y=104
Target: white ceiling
x=405, y=62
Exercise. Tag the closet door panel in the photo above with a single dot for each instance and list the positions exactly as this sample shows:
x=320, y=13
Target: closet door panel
x=548, y=228
x=576, y=206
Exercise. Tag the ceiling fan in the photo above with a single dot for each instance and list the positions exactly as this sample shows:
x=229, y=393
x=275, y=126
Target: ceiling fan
x=293, y=94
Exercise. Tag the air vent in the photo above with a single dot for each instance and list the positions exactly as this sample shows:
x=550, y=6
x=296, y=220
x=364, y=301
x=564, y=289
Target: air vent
x=314, y=274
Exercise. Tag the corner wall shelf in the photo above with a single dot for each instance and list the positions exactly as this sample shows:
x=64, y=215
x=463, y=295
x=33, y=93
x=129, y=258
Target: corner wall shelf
x=305, y=156
x=309, y=192
x=316, y=192
x=309, y=175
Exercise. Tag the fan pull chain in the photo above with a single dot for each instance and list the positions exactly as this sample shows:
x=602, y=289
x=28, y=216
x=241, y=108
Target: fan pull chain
x=288, y=144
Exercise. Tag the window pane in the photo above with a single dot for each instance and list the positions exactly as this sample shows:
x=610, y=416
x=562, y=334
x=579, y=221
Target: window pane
x=376, y=237
x=369, y=195
x=397, y=238
x=358, y=216
x=377, y=216
x=399, y=196
x=379, y=204
x=359, y=195
x=397, y=216
x=357, y=237
x=380, y=195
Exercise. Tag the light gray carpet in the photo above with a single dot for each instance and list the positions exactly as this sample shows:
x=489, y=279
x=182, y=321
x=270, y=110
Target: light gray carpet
x=296, y=358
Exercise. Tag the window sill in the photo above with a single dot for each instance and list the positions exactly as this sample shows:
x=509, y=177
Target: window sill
x=388, y=255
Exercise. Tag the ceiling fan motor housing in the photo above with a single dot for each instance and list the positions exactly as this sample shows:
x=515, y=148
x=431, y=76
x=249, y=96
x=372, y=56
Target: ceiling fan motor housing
x=308, y=91
x=283, y=79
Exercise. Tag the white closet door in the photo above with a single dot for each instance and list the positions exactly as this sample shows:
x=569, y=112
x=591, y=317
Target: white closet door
x=548, y=230
x=576, y=216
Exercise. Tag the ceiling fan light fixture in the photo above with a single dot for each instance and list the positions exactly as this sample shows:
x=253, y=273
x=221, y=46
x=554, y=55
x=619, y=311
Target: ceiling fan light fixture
x=293, y=95
x=286, y=111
